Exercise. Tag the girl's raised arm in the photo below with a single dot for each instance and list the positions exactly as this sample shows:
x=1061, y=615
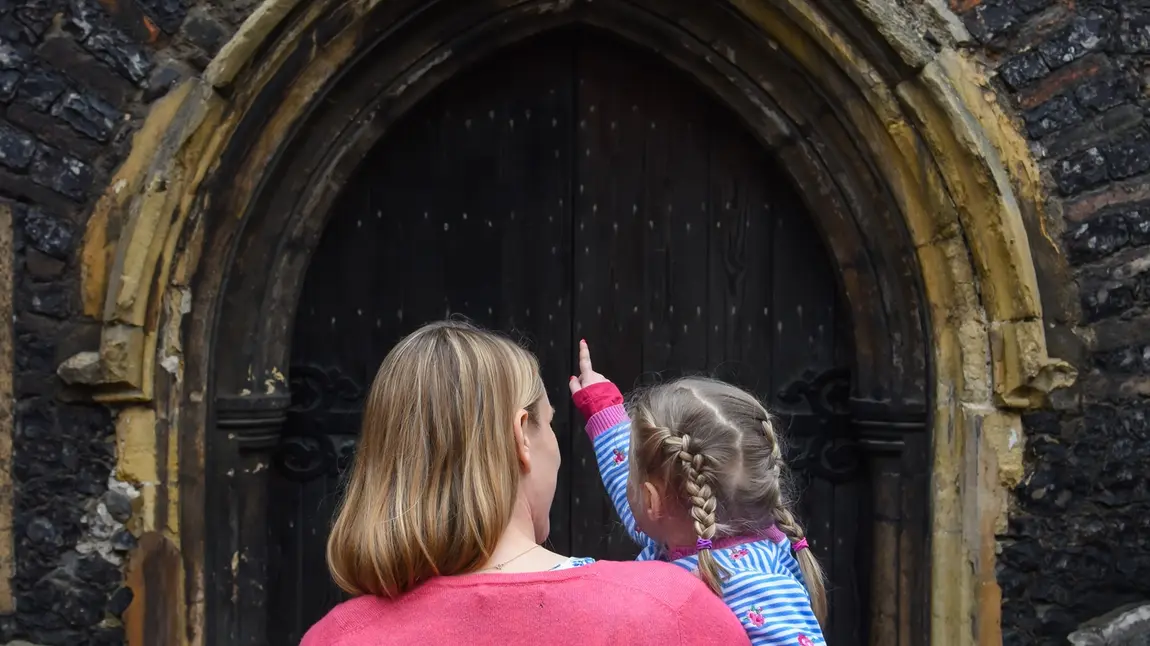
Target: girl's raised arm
x=609, y=428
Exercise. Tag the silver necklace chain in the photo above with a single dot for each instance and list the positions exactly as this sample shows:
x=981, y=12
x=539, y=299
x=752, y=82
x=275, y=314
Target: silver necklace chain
x=504, y=564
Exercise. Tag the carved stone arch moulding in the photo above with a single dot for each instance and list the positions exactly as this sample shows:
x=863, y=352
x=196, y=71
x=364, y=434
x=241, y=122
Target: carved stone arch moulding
x=918, y=181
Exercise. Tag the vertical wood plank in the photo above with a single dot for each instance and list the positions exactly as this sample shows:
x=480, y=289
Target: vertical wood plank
x=612, y=116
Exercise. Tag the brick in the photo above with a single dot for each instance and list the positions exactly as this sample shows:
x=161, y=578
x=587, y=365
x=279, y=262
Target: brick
x=16, y=148
x=1023, y=69
x=1084, y=35
x=61, y=173
x=1129, y=156
x=88, y=115
x=40, y=89
x=1062, y=81
x=1052, y=116
x=1081, y=172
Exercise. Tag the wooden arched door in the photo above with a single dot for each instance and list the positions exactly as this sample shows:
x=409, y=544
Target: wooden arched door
x=571, y=187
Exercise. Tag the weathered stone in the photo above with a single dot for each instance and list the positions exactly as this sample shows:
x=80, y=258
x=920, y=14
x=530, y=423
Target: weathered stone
x=1134, y=34
x=163, y=78
x=168, y=14
x=62, y=52
x=1125, y=626
x=1116, y=285
x=86, y=16
x=16, y=148
x=40, y=89
x=119, y=506
x=9, y=79
x=36, y=14
x=1024, y=69
x=11, y=57
x=204, y=31
x=42, y=266
x=48, y=234
x=1081, y=172
x=119, y=52
x=1052, y=116
x=88, y=115
x=1086, y=34
x=1130, y=360
x=1097, y=238
x=66, y=175
x=120, y=601
x=41, y=530
x=82, y=368
x=1104, y=93
x=1096, y=132
x=123, y=541
x=54, y=132
x=993, y=18
x=1128, y=156
x=49, y=299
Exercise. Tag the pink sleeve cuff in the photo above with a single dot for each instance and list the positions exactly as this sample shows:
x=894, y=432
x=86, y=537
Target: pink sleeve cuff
x=595, y=398
x=605, y=420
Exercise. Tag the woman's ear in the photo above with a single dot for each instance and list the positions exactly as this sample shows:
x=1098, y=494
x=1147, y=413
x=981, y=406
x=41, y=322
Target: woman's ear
x=522, y=439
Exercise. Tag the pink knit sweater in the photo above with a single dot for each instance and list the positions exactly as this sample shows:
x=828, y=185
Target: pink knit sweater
x=638, y=604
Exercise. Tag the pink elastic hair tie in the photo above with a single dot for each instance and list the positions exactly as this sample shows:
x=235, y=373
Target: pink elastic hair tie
x=702, y=544
x=801, y=544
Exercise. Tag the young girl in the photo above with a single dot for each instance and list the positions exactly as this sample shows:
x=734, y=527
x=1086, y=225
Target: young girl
x=695, y=474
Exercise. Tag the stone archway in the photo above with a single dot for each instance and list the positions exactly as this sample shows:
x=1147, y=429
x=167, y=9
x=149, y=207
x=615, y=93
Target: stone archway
x=934, y=165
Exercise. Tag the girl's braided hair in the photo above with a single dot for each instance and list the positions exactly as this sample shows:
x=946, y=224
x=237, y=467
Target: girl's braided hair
x=716, y=444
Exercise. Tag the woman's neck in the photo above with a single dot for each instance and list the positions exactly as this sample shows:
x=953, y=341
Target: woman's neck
x=517, y=549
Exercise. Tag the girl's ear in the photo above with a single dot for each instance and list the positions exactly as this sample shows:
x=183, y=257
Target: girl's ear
x=522, y=440
x=654, y=502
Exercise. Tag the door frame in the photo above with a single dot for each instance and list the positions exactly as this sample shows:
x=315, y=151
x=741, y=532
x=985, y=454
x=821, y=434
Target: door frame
x=886, y=149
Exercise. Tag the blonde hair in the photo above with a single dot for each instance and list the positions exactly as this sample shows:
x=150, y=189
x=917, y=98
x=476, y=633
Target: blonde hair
x=436, y=473
x=716, y=444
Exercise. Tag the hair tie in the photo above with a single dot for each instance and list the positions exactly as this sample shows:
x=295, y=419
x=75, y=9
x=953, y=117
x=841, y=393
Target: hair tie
x=702, y=544
x=800, y=544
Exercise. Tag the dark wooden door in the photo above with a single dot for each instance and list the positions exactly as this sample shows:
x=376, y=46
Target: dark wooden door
x=571, y=187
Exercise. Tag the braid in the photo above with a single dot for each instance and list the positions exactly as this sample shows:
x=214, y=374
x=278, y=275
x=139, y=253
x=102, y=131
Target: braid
x=785, y=520
x=697, y=482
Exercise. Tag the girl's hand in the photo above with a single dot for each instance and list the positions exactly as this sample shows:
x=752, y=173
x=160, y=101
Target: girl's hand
x=587, y=375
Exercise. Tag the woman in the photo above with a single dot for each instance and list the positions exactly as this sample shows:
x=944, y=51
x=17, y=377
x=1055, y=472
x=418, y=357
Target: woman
x=439, y=536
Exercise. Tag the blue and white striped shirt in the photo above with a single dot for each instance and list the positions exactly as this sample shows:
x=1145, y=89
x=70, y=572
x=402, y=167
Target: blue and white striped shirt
x=765, y=588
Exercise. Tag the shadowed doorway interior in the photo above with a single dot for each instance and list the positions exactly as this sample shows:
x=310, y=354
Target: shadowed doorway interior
x=574, y=187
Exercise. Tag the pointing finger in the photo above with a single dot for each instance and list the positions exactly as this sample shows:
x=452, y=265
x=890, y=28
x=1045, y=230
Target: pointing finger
x=585, y=368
